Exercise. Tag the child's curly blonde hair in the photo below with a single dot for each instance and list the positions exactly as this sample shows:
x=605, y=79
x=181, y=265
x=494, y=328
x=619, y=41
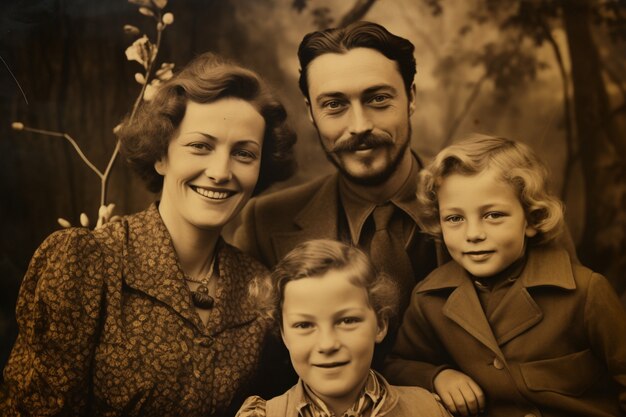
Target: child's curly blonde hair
x=515, y=163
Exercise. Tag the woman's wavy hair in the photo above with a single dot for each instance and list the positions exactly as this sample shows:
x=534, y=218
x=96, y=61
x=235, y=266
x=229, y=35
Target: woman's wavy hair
x=515, y=163
x=315, y=258
x=206, y=79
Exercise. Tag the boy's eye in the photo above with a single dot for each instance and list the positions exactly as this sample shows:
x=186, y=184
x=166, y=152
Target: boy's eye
x=349, y=321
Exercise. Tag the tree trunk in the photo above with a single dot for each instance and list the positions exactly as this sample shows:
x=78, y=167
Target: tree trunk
x=603, y=246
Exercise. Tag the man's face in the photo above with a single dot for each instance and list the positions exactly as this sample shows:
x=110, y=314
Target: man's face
x=360, y=108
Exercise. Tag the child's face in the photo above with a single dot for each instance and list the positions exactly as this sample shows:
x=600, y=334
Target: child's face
x=330, y=331
x=483, y=222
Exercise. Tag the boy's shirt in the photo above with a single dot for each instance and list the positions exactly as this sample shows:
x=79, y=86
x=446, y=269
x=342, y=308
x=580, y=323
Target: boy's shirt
x=545, y=350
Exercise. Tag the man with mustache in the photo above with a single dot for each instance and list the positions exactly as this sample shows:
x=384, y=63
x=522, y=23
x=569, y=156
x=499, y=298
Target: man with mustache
x=358, y=87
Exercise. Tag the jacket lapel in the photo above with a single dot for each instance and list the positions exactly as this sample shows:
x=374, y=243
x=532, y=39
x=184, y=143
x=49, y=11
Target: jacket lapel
x=462, y=305
x=317, y=220
x=518, y=312
x=153, y=266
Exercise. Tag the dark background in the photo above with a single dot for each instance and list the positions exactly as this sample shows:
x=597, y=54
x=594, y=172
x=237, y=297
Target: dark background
x=549, y=73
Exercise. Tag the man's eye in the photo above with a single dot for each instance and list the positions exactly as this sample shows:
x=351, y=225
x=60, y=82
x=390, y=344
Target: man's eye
x=380, y=99
x=332, y=105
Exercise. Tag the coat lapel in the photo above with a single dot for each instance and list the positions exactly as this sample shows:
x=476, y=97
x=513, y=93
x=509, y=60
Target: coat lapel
x=317, y=220
x=153, y=266
x=518, y=312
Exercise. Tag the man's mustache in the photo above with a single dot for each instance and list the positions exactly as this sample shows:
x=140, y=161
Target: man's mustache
x=356, y=142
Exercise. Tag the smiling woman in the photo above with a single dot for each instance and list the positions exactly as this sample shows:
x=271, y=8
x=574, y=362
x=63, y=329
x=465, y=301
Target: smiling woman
x=150, y=316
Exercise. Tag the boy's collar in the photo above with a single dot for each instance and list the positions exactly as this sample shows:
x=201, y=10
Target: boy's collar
x=546, y=266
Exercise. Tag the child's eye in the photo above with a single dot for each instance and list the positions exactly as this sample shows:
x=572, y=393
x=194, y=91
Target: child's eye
x=349, y=321
x=494, y=215
x=454, y=218
x=302, y=325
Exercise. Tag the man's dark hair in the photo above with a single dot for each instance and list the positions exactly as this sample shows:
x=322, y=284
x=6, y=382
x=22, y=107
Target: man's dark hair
x=357, y=35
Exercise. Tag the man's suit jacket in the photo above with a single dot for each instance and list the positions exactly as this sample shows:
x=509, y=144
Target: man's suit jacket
x=274, y=224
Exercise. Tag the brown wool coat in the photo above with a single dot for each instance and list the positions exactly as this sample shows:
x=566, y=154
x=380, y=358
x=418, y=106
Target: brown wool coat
x=107, y=328
x=556, y=345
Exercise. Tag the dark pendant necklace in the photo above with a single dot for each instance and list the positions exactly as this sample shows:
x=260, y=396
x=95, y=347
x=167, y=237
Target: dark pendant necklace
x=200, y=296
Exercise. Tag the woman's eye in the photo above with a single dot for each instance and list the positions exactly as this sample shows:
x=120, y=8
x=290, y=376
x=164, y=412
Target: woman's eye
x=200, y=146
x=245, y=155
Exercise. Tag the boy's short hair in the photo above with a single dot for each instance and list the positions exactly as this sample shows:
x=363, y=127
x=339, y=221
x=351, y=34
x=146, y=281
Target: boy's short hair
x=315, y=258
x=517, y=164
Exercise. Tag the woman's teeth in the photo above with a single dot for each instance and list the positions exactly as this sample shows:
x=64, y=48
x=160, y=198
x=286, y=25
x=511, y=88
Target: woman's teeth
x=216, y=195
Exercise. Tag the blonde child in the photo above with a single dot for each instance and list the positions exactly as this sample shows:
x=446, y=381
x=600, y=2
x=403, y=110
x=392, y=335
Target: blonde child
x=332, y=308
x=510, y=327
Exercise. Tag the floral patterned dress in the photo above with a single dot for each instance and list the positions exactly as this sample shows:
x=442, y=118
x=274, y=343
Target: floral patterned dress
x=107, y=327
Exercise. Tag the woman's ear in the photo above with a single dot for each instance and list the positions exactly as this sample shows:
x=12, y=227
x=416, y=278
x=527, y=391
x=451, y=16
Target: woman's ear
x=160, y=166
x=383, y=326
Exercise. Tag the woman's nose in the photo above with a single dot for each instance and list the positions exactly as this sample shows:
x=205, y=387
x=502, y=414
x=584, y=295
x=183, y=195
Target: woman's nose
x=327, y=341
x=218, y=169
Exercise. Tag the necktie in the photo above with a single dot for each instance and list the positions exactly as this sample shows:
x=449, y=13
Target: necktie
x=388, y=254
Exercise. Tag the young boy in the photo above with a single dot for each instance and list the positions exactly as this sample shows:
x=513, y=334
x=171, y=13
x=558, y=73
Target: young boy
x=332, y=308
x=510, y=327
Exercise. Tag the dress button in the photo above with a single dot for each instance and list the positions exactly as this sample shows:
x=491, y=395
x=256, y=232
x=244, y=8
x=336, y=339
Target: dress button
x=203, y=341
x=497, y=363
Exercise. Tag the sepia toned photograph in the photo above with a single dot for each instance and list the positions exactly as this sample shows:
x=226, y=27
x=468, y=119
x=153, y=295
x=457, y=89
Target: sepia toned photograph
x=313, y=208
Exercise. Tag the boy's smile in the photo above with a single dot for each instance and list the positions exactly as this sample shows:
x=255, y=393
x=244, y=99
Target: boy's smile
x=483, y=222
x=330, y=330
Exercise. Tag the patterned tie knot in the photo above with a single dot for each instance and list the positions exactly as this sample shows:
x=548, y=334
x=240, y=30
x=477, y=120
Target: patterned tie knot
x=382, y=216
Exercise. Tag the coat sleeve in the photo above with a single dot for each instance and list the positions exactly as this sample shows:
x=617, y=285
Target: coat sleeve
x=58, y=310
x=417, y=355
x=605, y=320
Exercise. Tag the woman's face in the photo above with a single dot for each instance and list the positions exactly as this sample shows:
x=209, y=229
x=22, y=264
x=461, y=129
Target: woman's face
x=212, y=163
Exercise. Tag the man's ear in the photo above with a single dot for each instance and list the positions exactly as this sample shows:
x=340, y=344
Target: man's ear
x=160, y=166
x=412, y=94
x=383, y=326
x=309, y=110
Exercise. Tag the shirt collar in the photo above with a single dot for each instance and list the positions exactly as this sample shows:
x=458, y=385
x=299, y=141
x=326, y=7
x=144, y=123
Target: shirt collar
x=358, y=209
x=310, y=405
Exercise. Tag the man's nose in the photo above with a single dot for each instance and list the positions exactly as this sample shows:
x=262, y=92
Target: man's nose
x=218, y=168
x=359, y=120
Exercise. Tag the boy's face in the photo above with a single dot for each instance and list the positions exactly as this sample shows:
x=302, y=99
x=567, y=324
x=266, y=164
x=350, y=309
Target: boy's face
x=330, y=331
x=483, y=222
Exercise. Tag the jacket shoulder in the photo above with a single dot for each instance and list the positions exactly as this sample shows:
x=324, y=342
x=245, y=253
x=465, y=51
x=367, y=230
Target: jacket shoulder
x=290, y=199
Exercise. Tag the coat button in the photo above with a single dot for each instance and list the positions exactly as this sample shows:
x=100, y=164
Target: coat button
x=497, y=363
